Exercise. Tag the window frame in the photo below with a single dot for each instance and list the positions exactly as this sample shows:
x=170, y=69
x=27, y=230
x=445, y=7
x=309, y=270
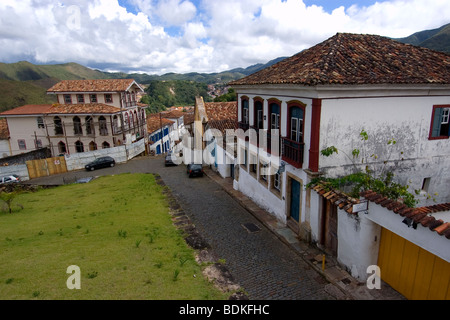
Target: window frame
x=40, y=122
x=444, y=120
x=93, y=98
x=22, y=144
x=80, y=98
x=67, y=98
x=107, y=96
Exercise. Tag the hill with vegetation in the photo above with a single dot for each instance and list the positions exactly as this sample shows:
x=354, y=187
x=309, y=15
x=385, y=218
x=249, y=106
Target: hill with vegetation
x=435, y=39
x=18, y=93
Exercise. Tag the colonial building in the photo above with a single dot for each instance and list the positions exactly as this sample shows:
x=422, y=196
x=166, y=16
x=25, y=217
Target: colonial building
x=89, y=115
x=326, y=96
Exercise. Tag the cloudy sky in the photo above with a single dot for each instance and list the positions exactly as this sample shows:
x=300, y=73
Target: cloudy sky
x=160, y=36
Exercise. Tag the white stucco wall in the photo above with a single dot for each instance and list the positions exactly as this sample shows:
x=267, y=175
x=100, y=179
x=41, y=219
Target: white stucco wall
x=405, y=119
x=358, y=243
x=25, y=128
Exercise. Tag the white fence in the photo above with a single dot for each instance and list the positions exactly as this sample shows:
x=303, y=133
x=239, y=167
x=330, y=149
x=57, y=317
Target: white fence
x=77, y=161
x=21, y=170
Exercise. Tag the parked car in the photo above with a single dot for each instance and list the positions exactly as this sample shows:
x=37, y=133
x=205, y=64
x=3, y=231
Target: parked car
x=195, y=170
x=102, y=162
x=170, y=160
x=13, y=178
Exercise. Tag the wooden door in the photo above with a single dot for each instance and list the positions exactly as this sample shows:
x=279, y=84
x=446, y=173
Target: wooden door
x=329, y=236
x=295, y=200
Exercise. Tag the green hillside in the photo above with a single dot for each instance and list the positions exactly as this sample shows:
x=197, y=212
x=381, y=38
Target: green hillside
x=435, y=39
x=26, y=71
x=18, y=93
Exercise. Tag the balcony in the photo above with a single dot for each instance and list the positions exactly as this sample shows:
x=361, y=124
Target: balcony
x=293, y=152
x=244, y=126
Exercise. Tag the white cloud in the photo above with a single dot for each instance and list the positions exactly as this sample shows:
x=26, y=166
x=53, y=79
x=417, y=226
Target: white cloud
x=211, y=35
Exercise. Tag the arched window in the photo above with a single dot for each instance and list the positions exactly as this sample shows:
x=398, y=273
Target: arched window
x=106, y=145
x=58, y=126
x=136, y=120
x=77, y=129
x=296, y=118
x=89, y=125
x=62, y=149
x=115, y=124
x=103, y=125
x=259, y=115
x=92, y=146
x=245, y=108
x=126, y=121
x=274, y=115
x=79, y=147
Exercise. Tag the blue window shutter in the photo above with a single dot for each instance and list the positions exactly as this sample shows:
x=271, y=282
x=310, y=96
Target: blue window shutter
x=437, y=119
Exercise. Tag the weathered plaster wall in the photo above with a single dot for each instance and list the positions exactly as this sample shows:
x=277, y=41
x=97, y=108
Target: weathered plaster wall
x=405, y=119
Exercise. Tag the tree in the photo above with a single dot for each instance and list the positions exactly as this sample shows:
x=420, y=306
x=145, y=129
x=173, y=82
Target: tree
x=8, y=198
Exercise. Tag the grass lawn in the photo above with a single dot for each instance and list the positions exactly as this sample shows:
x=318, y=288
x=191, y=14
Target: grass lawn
x=117, y=230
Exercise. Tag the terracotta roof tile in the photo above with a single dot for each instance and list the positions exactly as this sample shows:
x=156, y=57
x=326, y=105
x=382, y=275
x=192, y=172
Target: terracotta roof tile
x=101, y=85
x=357, y=59
x=29, y=109
x=89, y=108
x=154, y=122
x=418, y=215
x=221, y=110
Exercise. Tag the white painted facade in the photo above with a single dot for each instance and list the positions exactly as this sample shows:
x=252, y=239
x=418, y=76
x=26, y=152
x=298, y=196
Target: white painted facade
x=403, y=113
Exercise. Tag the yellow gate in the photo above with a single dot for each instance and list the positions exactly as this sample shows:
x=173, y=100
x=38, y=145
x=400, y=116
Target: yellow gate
x=46, y=167
x=414, y=272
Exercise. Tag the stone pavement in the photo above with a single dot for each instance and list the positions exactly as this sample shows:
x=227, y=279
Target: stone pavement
x=350, y=287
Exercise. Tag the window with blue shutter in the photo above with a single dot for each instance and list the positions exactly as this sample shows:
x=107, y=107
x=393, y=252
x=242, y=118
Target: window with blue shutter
x=440, y=125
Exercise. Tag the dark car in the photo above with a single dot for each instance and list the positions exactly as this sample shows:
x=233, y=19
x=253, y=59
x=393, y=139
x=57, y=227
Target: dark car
x=102, y=162
x=195, y=170
x=170, y=160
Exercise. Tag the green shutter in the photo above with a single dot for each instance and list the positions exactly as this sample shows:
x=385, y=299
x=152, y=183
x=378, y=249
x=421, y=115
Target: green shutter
x=437, y=119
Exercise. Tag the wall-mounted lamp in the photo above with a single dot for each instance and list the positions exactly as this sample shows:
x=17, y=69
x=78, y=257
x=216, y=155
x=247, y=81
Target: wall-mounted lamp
x=410, y=223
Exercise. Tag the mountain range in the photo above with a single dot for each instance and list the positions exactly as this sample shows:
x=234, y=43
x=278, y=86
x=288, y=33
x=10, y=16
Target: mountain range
x=26, y=83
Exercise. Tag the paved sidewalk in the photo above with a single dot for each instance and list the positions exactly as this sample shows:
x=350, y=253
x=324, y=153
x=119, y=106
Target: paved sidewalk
x=310, y=254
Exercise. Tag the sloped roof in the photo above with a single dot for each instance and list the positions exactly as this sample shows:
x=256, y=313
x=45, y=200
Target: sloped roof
x=102, y=85
x=221, y=111
x=357, y=59
x=417, y=215
x=89, y=108
x=29, y=109
x=154, y=122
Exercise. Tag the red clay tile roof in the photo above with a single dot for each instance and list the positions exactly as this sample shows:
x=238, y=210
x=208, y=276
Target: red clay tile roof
x=173, y=114
x=221, y=110
x=338, y=198
x=154, y=122
x=356, y=59
x=29, y=109
x=417, y=215
x=90, y=108
x=103, y=85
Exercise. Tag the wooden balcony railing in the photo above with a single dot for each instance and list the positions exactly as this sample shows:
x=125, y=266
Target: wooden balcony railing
x=293, y=152
x=244, y=126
